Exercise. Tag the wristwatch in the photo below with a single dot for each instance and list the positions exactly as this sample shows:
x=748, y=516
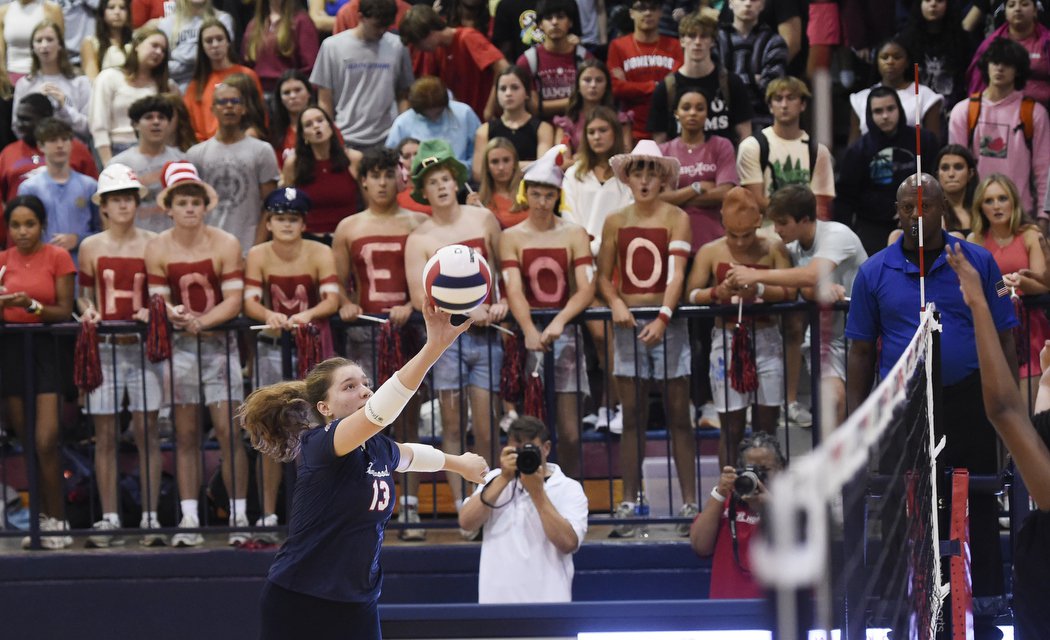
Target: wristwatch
x=697, y=188
x=35, y=307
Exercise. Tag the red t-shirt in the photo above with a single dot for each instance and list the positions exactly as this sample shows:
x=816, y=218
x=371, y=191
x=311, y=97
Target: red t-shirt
x=729, y=580
x=142, y=11
x=35, y=275
x=333, y=196
x=465, y=67
x=643, y=65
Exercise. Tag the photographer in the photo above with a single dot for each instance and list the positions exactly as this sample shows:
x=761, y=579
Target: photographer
x=730, y=517
x=535, y=518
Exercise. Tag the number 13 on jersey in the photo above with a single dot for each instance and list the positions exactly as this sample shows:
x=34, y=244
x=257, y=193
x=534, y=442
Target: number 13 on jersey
x=380, y=495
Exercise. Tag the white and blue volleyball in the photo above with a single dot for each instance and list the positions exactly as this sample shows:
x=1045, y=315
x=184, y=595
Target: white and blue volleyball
x=457, y=278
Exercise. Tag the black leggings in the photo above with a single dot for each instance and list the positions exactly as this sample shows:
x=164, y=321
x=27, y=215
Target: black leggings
x=288, y=615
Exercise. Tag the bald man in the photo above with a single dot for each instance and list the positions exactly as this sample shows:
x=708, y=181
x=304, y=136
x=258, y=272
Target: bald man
x=708, y=284
x=885, y=304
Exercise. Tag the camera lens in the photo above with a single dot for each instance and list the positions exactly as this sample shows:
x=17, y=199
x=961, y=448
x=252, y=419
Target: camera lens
x=745, y=484
x=528, y=459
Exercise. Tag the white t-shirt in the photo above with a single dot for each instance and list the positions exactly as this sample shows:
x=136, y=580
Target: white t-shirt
x=588, y=202
x=929, y=97
x=518, y=562
x=789, y=159
x=836, y=242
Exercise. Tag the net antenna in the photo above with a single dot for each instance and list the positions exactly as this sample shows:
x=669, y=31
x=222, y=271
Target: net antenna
x=918, y=187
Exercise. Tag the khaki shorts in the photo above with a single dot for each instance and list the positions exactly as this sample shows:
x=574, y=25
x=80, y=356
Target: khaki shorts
x=218, y=370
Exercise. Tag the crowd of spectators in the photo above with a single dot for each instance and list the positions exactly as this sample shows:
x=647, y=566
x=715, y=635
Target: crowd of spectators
x=407, y=126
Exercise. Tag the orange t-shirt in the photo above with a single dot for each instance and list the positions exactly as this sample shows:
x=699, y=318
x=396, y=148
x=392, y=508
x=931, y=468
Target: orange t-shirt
x=203, y=120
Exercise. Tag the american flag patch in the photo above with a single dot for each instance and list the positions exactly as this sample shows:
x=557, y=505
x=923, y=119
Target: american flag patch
x=1001, y=289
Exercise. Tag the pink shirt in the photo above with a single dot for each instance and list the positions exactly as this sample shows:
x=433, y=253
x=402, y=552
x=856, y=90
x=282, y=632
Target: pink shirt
x=713, y=161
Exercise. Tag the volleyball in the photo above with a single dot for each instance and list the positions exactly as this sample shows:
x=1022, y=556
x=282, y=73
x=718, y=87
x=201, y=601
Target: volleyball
x=457, y=278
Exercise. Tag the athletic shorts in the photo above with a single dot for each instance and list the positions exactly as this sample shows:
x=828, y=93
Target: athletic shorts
x=667, y=360
x=218, y=373
x=769, y=363
x=126, y=367
x=568, y=360
x=474, y=360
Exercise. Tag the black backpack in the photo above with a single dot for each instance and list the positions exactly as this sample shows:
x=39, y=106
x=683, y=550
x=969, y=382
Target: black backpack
x=763, y=157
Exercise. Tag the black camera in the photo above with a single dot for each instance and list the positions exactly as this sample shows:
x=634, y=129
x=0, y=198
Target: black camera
x=529, y=458
x=747, y=479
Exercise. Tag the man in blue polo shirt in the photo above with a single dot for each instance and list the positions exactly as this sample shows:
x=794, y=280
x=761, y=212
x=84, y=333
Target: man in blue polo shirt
x=885, y=304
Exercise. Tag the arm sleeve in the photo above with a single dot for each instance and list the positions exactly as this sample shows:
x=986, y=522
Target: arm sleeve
x=318, y=445
x=835, y=245
x=483, y=52
x=77, y=104
x=405, y=76
x=322, y=73
x=747, y=163
x=957, y=123
x=571, y=504
x=861, y=323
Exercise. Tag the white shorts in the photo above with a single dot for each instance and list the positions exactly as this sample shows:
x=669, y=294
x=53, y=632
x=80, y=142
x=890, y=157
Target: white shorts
x=219, y=371
x=835, y=365
x=769, y=363
x=666, y=361
x=125, y=367
x=570, y=370
x=269, y=363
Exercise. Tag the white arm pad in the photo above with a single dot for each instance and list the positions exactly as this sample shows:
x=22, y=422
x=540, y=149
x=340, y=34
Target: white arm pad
x=387, y=402
x=425, y=458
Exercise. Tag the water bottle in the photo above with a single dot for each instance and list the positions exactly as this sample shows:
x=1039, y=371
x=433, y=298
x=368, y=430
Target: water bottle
x=641, y=510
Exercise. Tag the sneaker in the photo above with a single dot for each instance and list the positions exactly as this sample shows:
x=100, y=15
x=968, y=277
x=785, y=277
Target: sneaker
x=601, y=421
x=616, y=422
x=266, y=537
x=590, y=421
x=239, y=538
x=504, y=422
x=410, y=515
x=709, y=417
x=102, y=539
x=188, y=539
x=151, y=539
x=49, y=524
x=688, y=510
x=627, y=529
x=799, y=416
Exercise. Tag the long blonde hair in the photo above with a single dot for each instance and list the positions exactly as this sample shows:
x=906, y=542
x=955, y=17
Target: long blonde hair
x=980, y=225
x=276, y=415
x=488, y=185
x=285, y=37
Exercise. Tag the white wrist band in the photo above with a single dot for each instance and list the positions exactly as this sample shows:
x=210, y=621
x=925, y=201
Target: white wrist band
x=760, y=289
x=717, y=496
x=425, y=458
x=387, y=402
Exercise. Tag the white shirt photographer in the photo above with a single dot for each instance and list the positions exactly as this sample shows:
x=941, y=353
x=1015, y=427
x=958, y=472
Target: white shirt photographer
x=518, y=562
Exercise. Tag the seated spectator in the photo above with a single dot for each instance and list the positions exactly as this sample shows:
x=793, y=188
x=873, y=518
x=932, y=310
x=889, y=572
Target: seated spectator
x=52, y=75
x=546, y=263
x=188, y=18
x=593, y=89
x=729, y=111
x=151, y=117
x=288, y=282
x=467, y=62
x=326, y=171
x=279, y=38
x=897, y=72
x=361, y=95
x=38, y=287
x=755, y=53
x=1007, y=132
x=17, y=20
x=433, y=116
x=957, y=173
x=875, y=165
x=113, y=288
x=203, y=362
x=935, y=37
x=729, y=520
x=216, y=61
x=551, y=64
x=66, y=193
x=530, y=136
x=639, y=61
x=708, y=168
x=500, y=175
x=145, y=72
x=112, y=38
x=243, y=167
x=1022, y=27
x=291, y=95
x=534, y=521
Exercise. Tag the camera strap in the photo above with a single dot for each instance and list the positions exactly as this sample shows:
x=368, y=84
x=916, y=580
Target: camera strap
x=732, y=535
x=512, y=485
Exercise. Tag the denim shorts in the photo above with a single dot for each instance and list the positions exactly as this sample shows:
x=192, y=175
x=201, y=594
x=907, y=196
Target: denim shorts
x=667, y=360
x=474, y=359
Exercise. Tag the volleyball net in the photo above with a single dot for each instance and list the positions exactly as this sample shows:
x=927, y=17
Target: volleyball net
x=850, y=534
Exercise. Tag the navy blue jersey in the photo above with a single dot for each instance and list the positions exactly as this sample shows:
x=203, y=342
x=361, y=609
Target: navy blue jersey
x=339, y=512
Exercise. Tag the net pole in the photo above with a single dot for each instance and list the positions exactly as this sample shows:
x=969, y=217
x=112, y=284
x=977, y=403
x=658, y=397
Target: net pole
x=918, y=185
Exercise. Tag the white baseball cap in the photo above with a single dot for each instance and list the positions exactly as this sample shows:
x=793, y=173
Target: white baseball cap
x=118, y=177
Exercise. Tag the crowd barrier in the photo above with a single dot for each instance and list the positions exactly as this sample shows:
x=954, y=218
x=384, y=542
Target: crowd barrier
x=594, y=451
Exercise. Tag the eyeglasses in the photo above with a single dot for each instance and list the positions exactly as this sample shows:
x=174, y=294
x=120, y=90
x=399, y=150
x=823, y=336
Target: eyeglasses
x=227, y=102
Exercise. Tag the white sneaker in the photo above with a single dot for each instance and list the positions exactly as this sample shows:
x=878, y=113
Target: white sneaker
x=688, y=510
x=616, y=423
x=47, y=525
x=627, y=529
x=266, y=537
x=799, y=416
x=409, y=514
x=188, y=539
x=237, y=538
x=601, y=422
x=102, y=539
x=151, y=539
x=590, y=420
x=709, y=417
